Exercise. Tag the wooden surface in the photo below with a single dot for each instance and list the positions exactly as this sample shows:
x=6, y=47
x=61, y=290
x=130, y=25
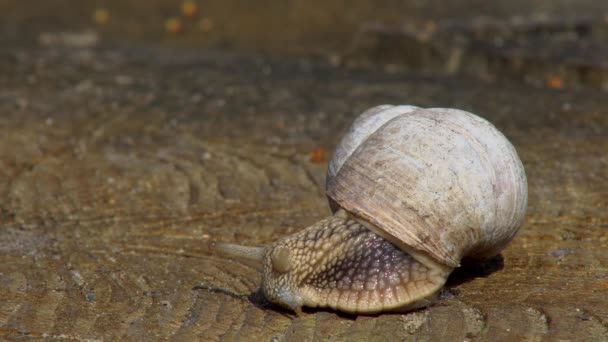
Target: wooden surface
x=117, y=166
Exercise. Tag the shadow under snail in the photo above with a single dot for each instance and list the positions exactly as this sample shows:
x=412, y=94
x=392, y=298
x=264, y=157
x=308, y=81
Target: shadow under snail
x=413, y=191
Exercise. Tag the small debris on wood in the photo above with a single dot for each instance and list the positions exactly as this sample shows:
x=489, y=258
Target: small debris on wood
x=317, y=155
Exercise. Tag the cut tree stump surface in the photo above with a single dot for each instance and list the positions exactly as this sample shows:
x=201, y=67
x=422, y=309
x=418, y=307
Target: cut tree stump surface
x=119, y=166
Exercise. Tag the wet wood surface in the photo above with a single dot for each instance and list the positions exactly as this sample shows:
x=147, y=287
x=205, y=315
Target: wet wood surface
x=118, y=166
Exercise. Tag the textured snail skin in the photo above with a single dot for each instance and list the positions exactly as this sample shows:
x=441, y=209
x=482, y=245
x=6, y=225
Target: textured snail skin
x=341, y=264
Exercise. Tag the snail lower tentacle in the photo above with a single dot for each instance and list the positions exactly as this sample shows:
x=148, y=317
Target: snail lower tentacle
x=340, y=263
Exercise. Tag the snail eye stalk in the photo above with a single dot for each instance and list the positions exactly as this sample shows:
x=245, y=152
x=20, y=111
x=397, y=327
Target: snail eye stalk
x=248, y=253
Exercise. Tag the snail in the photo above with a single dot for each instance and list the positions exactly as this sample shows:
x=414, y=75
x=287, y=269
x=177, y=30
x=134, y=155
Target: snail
x=413, y=191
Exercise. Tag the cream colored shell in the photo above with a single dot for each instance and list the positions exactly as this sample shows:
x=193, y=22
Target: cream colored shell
x=442, y=181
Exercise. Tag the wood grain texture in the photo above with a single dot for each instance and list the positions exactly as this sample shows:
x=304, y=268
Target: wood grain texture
x=110, y=193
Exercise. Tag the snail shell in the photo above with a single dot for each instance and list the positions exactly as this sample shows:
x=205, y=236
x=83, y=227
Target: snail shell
x=441, y=181
x=413, y=192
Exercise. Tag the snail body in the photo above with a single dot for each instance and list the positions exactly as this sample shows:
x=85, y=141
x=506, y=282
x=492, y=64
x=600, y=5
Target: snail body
x=413, y=191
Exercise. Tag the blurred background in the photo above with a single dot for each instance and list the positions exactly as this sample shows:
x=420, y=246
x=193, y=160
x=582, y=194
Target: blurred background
x=134, y=132
x=546, y=43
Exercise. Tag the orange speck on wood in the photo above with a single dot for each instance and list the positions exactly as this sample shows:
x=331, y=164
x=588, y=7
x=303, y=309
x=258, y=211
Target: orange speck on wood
x=317, y=155
x=206, y=24
x=101, y=16
x=555, y=82
x=173, y=25
x=189, y=9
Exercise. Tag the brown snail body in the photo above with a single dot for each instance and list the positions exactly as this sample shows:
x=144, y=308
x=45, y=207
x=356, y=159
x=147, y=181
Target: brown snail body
x=413, y=192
